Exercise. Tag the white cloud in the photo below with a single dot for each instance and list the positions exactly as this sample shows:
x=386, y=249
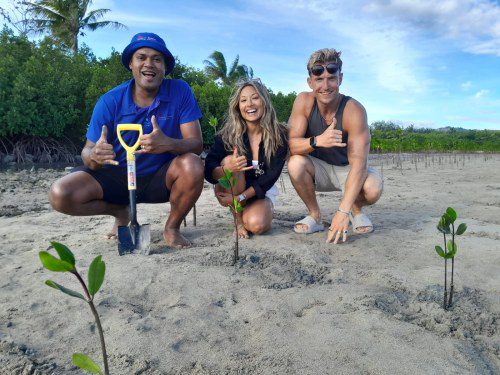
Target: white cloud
x=380, y=50
x=481, y=94
x=466, y=85
x=473, y=25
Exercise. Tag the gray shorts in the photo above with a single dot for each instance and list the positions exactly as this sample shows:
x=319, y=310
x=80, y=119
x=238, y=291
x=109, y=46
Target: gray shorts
x=328, y=177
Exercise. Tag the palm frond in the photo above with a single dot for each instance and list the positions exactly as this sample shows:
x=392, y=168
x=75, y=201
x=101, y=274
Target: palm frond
x=218, y=59
x=234, y=66
x=65, y=20
x=94, y=15
x=100, y=24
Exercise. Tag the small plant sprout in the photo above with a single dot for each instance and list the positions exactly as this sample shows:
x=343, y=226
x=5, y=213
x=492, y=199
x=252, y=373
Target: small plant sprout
x=450, y=249
x=228, y=182
x=97, y=269
x=213, y=122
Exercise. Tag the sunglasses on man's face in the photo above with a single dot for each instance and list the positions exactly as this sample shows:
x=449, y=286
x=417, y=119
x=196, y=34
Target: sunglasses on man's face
x=318, y=70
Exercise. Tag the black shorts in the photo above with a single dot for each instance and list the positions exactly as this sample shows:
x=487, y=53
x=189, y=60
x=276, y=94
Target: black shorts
x=150, y=188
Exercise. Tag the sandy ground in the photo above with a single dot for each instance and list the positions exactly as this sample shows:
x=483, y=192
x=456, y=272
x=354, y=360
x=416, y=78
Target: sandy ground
x=292, y=305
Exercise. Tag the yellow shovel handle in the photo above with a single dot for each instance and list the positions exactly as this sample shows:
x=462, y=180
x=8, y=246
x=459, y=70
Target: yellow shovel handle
x=130, y=149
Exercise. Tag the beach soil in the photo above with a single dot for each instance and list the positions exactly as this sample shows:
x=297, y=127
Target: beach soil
x=292, y=305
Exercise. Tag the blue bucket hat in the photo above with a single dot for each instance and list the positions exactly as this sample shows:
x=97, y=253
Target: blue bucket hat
x=148, y=40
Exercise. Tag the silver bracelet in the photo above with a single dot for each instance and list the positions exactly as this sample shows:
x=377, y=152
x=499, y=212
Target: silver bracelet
x=344, y=212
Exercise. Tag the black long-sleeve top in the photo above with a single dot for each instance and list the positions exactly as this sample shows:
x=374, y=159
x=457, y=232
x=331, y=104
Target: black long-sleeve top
x=261, y=182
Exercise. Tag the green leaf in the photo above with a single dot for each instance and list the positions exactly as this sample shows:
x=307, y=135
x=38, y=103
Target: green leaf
x=64, y=253
x=449, y=256
x=446, y=220
x=443, y=229
x=440, y=251
x=237, y=206
x=70, y=292
x=224, y=182
x=461, y=229
x=233, y=181
x=228, y=174
x=452, y=214
x=452, y=248
x=85, y=363
x=97, y=270
x=53, y=264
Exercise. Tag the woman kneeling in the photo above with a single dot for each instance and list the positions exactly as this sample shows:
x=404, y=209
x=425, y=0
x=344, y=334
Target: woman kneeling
x=252, y=145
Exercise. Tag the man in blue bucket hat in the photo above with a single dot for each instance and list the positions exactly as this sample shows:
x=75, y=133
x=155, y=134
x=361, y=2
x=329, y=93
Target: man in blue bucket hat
x=168, y=165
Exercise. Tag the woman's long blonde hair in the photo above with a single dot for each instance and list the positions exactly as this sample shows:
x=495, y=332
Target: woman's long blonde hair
x=273, y=132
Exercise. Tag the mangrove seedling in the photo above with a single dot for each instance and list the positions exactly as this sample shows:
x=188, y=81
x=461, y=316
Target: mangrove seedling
x=446, y=226
x=228, y=182
x=213, y=122
x=97, y=269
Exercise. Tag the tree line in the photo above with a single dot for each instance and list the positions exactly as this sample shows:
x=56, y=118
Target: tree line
x=390, y=137
x=47, y=92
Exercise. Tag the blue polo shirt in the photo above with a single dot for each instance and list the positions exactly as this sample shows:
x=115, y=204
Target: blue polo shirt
x=174, y=105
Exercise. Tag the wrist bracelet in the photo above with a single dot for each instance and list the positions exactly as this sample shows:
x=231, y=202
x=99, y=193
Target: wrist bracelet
x=344, y=212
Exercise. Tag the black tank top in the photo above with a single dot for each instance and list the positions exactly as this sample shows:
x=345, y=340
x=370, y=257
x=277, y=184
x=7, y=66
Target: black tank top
x=316, y=125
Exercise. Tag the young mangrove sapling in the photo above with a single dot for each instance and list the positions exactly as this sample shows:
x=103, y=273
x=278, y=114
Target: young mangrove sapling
x=97, y=269
x=450, y=249
x=228, y=182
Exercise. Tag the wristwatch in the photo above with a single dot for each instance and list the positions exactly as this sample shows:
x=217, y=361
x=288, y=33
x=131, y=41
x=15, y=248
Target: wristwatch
x=312, y=142
x=241, y=197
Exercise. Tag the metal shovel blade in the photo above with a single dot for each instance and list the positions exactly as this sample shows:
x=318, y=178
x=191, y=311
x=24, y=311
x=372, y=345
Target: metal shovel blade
x=143, y=239
x=125, y=241
x=134, y=239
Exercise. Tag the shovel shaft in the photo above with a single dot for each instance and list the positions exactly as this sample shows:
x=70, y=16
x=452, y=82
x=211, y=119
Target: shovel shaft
x=132, y=185
x=133, y=207
x=131, y=175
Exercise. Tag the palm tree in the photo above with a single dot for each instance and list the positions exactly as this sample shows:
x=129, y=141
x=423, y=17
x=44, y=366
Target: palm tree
x=17, y=17
x=66, y=20
x=216, y=67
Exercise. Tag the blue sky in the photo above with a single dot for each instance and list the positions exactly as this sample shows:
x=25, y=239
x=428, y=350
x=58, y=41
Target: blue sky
x=427, y=63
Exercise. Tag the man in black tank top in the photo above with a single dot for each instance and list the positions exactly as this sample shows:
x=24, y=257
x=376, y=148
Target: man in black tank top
x=329, y=145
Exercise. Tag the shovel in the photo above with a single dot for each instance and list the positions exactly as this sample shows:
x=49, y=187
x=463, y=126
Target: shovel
x=135, y=237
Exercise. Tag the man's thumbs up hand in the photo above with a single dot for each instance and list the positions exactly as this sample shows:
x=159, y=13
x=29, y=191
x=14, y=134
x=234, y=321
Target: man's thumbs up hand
x=155, y=142
x=331, y=137
x=102, y=152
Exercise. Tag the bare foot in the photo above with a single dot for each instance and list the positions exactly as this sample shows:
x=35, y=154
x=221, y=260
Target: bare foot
x=242, y=232
x=121, y=220
x=175, y=239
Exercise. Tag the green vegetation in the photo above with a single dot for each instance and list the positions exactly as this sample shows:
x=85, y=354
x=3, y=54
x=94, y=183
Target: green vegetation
x=47, y=94
x=389, y=137
x=228, y=182
x=66, y=20
x=450, y=248
x=216, y=69
x=97, y=269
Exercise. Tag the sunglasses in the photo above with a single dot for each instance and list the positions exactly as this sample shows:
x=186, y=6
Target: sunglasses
x=318, y=70
x=243, y=81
